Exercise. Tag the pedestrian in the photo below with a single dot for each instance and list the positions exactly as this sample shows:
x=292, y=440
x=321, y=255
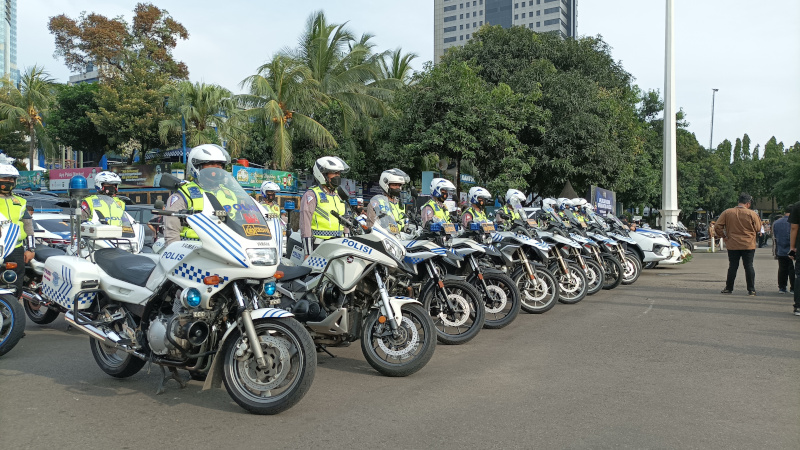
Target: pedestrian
x=794, y=220
x=767, y=232
x=782, y=229
x=739, y=227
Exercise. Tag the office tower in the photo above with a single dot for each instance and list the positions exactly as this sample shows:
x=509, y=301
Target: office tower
x=8, y=40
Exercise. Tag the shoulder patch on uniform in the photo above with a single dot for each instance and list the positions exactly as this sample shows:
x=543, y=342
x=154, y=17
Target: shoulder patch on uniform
x=194, y=192
x=15, y=200
x=173, y=199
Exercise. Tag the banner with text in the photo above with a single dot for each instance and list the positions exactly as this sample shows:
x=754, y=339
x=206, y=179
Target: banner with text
x=604, y=201
x=252, y=177
x=59, y=178
x=140, y=175
x=30, y=180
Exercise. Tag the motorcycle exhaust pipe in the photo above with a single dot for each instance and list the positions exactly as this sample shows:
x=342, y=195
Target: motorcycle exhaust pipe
x=109, y=338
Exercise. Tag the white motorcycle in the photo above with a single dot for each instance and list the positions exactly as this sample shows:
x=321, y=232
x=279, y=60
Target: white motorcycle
x=12, y=319
x=198, y=306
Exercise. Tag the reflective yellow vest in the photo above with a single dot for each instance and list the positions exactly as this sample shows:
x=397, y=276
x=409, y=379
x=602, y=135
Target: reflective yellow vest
x=511, y=211
x=477, y=215
x=397, y=209
x=438, y=211
x=323, y=224
x=274, y=208
x=111, y=212
x=13, y=210
x=195, y=200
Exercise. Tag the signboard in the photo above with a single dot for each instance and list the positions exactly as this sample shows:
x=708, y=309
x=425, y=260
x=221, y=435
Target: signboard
x=349, y=186
x=29, y=180
x=252, y=177
x=604, y=201
x=59, y=178
x=467, y=178
x=142, y=175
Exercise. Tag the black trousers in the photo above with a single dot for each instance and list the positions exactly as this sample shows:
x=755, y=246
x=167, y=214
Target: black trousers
x=797, y=291
x=785, y=272
x=733, y=266
x=18, y=256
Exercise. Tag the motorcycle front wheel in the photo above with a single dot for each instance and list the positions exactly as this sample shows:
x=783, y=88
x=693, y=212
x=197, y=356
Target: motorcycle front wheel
x=595, y=277
x=613, y=271
x=292, y=363
x=632, y=268
x=461, y=322
x=404, y=354
x=571, y=285
x=502, y=303
x=12, y=323
x=537, y=295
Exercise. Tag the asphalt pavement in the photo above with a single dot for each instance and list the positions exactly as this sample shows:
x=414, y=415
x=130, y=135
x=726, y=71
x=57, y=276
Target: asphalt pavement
x=668, y=362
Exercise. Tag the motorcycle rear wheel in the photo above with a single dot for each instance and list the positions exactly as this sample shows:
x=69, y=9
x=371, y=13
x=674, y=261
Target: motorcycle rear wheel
x=613, y=272
x=454, y=326
x=115, y=362
x=41, y=315
x=405, y=355
x=12, y=323
x=595, y=277
x=290, y=349
x=539, y=295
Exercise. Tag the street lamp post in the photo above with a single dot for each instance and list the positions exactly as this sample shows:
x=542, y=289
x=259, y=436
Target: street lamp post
x=669, y=195
x=711, y=139
x=183, y=132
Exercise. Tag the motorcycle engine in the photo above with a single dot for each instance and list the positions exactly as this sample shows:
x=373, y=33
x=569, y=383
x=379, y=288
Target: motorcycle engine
x=177, y=333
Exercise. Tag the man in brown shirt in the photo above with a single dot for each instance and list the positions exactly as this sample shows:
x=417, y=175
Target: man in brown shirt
x=739, y=227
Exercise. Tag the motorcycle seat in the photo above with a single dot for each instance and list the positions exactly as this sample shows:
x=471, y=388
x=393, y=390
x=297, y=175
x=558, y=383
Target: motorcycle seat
x=43, y=252
x=294, y=272
x=125, y=266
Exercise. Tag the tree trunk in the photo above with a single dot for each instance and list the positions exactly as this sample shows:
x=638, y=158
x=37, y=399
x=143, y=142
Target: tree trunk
x=32, y=134
x=458, y=180
x=132, y=155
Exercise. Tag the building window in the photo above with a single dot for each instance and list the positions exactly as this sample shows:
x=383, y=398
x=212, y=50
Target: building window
x=467, y=36
x=538, y=2
x=449, y=39
x=480, y=13
x=523, y=15
x=461, y=27
x=461, y=6
x=474, y=3
x=552, y=10
x=530, y=3
x=550, y=1
x=516, y=5
x=480, y=2
x=461, y=16
x=461, y=38
x=481, y=22
x=449, y=8
x=450, y=18
x=450, y=29
x=530, y=25
x=516, y=16
x=551, y=22
x=474, y=24
x=468, y=26
x=474, y=13
x=539, y=12
x=538, y=24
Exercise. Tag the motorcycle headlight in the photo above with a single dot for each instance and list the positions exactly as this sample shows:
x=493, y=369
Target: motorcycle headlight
x=262, y=256
x=394, y=250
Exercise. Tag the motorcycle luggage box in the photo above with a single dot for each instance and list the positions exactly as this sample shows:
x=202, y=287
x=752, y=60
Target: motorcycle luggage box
x=64, y=277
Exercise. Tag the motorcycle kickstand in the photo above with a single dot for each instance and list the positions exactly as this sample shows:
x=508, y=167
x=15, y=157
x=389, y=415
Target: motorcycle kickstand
x=174, y=375
x=323, y=348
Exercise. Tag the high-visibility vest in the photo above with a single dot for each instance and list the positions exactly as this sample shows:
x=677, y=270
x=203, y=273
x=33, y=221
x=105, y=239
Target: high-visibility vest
x=477, y=215
x=323, y=224
x=273, y=208
x=13, y=210
x=112, y=212
x=438, y=211
x=511, y=211
x=195, y=200
x=395, y=208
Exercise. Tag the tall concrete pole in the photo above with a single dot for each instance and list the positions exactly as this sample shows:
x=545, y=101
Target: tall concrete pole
x=669, y=195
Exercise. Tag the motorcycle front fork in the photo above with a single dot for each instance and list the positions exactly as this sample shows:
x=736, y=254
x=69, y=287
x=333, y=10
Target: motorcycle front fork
x=386, y=307
x=578, y=257
x=249, y=328
x=526, y=263
x=473, y=263
x=434, y=275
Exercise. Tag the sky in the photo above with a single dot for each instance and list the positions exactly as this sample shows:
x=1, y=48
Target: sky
x=748, y=50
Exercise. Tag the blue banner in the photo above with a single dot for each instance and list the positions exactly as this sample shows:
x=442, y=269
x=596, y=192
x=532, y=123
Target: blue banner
x=604, y=201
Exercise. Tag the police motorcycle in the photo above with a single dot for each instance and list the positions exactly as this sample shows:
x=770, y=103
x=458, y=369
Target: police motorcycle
x=12, y=318
x=566, y=260
x=679, y=233
x=456, y=307
x=601, y=250
x=340, y=294
x=618, y=245
x=42, y=311
x=200, y=306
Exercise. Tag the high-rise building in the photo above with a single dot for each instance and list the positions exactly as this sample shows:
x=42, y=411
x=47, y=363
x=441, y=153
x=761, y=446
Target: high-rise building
x=455, y=21
x=8, y=40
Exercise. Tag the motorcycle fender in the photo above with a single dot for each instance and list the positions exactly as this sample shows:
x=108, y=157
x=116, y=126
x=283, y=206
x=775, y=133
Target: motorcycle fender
x=455, y=277
x=397, y=303
x=214, y=377
x=6, y=291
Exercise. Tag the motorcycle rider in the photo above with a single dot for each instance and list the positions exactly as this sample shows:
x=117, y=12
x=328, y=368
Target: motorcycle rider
x=478, y=198
x=106, y=184
x=316, y=220
x=514, y=199
x=190, y=195
x=13, y=207
x=391, y=181
x=269, y=191
x=441, y=191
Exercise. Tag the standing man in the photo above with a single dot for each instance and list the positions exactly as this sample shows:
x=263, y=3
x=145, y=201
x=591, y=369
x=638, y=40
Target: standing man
x=782, y=229
x=478, y=199
x=391, y=182
x=794, y=220
x=94, y=208
x=12, y=207
x=435, y=208
x=739, y=228
x=316, y=220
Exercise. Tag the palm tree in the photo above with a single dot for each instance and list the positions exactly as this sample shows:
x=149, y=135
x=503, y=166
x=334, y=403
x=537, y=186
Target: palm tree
x=209, y=111
x=282, y=97
x=343, y=68
x=25, y=108
x=398, y=66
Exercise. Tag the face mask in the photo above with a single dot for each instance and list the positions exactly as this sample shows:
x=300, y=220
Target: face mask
x=270, y=197
x=336, y=181
x=109, y=190
x=394, y=192
x=7, y=186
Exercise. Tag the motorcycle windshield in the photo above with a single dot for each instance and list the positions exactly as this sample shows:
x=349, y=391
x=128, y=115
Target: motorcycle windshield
x=550, y=214
x=224, y=193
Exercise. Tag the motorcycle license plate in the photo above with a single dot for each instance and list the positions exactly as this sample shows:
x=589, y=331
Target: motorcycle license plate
x=449, y=228
x=532, y=223
x=275, y=301
x=393, y=228
x=487, y=227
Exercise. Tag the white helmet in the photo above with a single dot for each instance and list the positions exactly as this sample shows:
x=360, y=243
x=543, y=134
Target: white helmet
x=549, y=203
x=269, y=186
x=564, y=202
x=514, y=196
x=328, y=164
x=439, y=186
x=393, y=176
x=205, y=154
x=579, y=201
x=106, y=177
x=476, y=193
x=7, y=170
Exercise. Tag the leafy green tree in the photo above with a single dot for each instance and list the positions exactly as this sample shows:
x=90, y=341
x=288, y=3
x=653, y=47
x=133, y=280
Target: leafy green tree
x=746, y=147
x=25, y=109
x=69, y=123
x=396, y=65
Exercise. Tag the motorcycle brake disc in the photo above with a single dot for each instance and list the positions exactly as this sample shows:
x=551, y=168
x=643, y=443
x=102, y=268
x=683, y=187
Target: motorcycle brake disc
x=460, y=316
x=269, y=378
x=497, y=298
x=406, y=345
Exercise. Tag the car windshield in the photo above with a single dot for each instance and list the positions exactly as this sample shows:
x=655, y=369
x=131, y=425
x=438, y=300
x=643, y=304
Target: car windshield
x=224, y=193
x=54, y=225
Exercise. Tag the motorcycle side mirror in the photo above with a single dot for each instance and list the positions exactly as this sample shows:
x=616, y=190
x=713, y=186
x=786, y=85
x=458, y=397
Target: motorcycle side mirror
x=169, y=181
x=343, y=194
